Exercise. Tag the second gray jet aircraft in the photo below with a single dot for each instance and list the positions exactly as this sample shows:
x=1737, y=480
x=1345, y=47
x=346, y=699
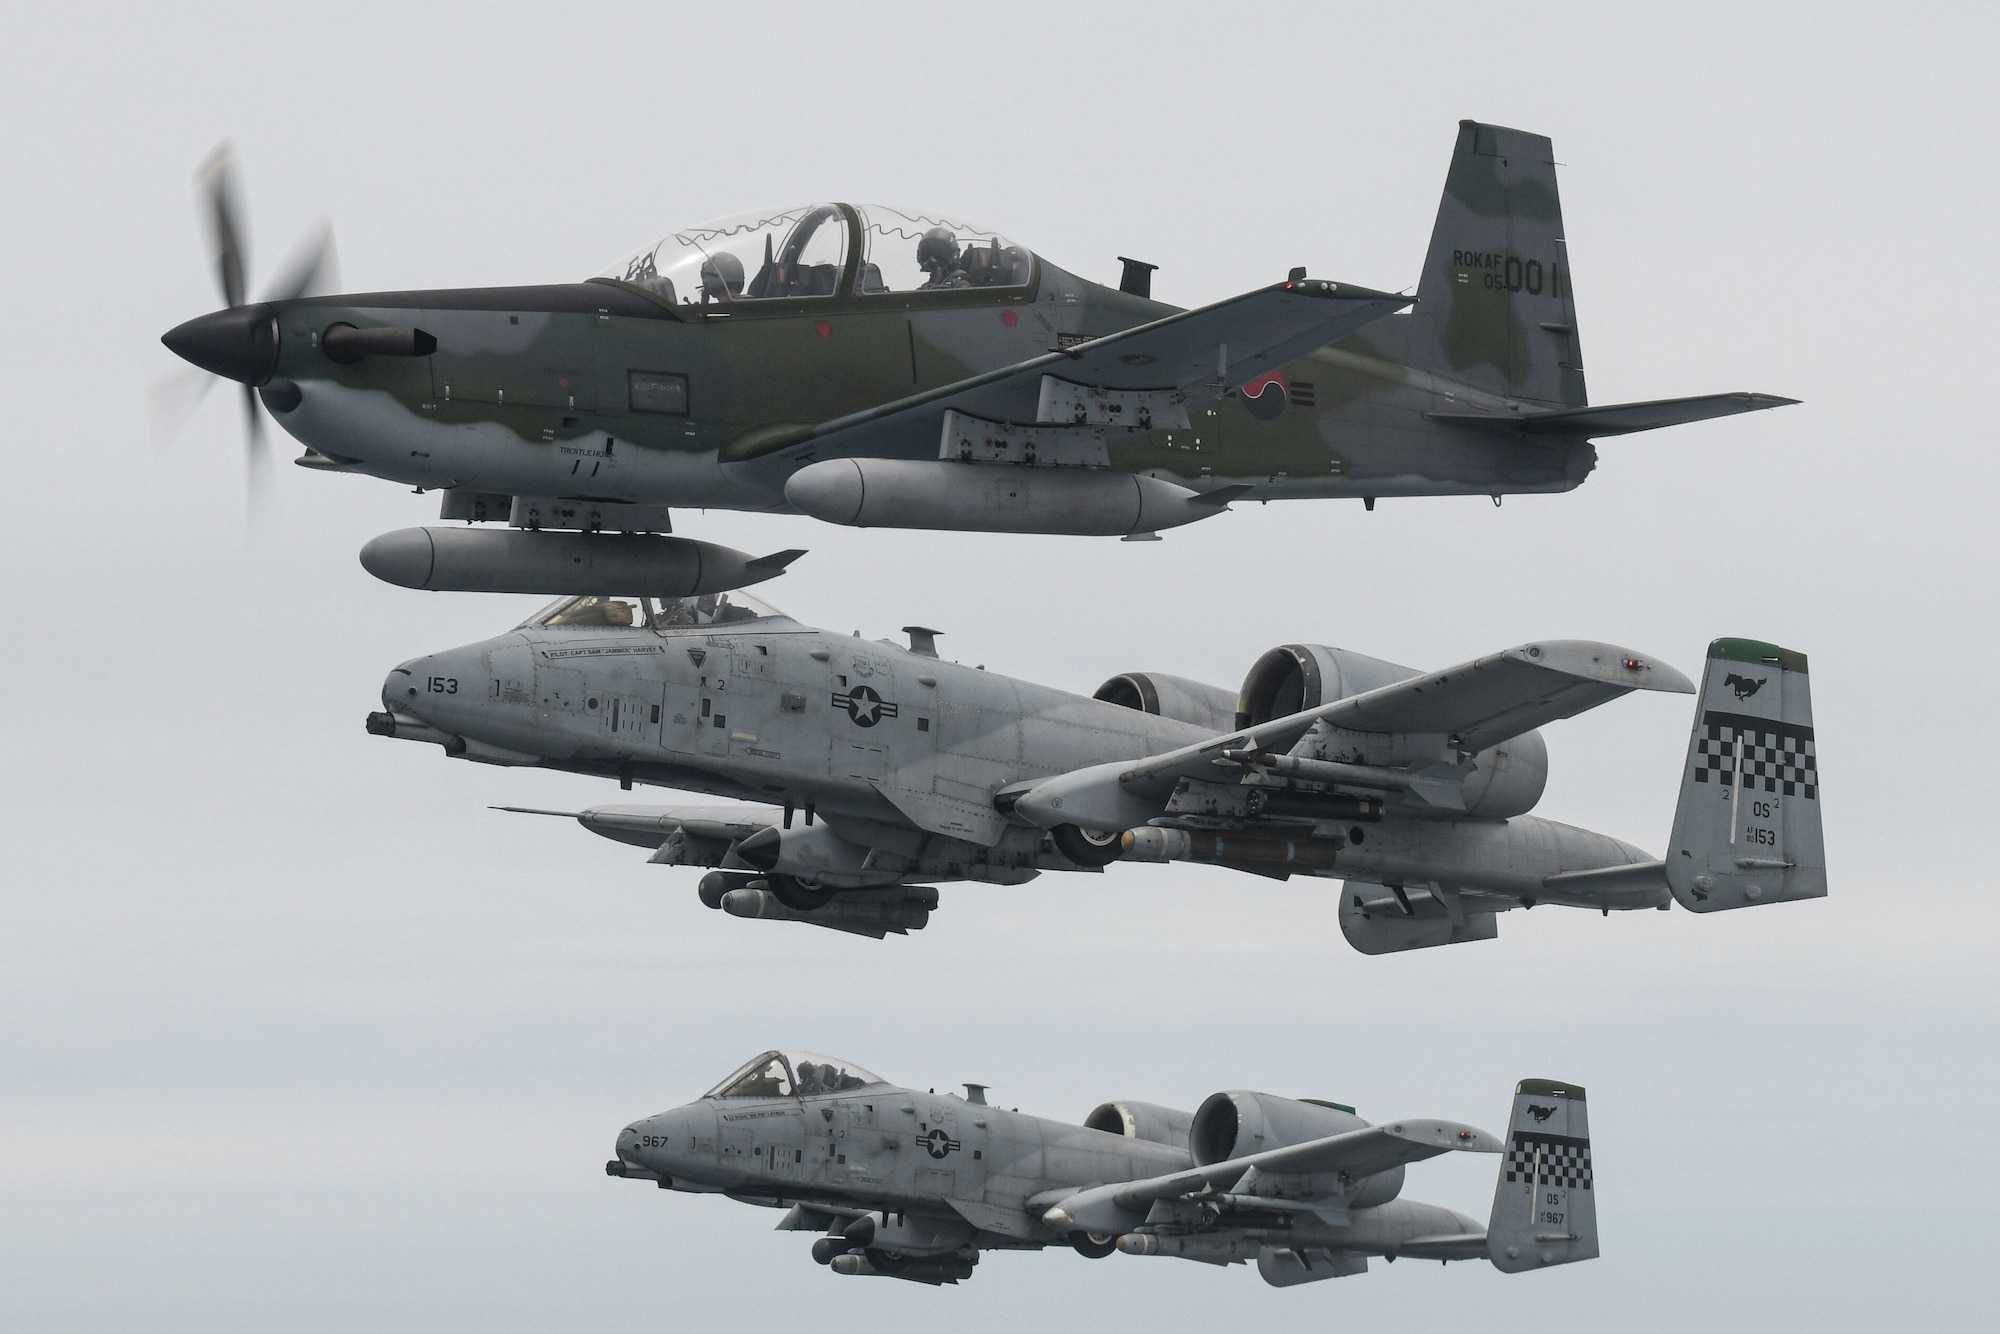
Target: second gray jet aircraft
x=887, y=769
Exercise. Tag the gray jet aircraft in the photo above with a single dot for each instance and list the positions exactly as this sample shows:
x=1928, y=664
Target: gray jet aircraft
x=915, y=1185
x=907, y=770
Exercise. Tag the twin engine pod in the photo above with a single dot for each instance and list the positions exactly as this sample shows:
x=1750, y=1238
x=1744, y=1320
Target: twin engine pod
x=994, y=497
x=1237, y=1122
x=517, y=560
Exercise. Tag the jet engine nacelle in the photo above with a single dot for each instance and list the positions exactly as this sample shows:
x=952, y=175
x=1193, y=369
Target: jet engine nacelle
x=1176, y=697
x=1505, y=780
x=1295, y=677
x=1235, y=1123
x=1142, y=1120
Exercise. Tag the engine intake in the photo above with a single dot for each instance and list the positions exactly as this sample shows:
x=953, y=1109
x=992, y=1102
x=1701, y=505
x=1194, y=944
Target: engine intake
x=1142, y=1120
x=1294, y=677
x=1211, y=708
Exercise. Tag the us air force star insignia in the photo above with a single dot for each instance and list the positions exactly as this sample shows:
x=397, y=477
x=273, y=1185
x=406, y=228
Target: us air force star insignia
x=937, y=1144
x=863, y=705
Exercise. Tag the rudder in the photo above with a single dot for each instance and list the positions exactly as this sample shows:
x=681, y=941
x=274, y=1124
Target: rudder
x=1747, y=829
x=1545, y=1204
x=1494, y=305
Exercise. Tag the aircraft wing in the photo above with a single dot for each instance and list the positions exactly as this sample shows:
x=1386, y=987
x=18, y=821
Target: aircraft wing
x=1356, y=1153
x=1487, y=700
x=1481, y=703
x=1197, y=353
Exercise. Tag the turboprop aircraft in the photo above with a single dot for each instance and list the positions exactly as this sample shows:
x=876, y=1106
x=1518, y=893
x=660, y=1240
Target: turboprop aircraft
x=1412, y=787
x=876, y=366
x=914, y=1185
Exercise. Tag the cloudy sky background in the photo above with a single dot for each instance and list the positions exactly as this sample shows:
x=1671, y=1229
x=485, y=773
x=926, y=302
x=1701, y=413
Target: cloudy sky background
x=295, y=1032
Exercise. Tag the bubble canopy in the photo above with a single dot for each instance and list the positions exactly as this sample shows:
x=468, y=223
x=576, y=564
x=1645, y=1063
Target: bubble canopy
x=660, y=615
x=824, y=250
x=785, y=1074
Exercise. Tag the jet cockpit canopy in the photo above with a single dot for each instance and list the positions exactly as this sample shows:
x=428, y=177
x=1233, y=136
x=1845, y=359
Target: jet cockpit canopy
x=821, y=250
x=660, y=615
x=784, y=1074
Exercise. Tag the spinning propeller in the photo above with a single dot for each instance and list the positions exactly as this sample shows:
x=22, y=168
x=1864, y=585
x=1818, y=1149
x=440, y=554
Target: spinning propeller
x=239, y=342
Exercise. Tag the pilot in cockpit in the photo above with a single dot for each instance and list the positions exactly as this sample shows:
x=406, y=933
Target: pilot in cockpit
x=937, y=255
x=721, y=277
x=825, y=1077
x=594, y=611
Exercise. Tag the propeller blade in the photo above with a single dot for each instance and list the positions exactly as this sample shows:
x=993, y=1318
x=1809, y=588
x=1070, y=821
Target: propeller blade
x=216, y=179
x=171, y=401
x=313, y=267
x=260, y=482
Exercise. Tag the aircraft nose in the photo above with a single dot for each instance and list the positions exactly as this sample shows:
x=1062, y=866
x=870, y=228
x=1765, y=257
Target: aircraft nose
x=400, y=687
x=240, y=343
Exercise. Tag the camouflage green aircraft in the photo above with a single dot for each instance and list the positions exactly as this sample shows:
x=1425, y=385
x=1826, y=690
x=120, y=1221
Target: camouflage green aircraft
x=872, y=366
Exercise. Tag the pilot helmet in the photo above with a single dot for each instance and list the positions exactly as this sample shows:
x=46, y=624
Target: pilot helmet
x=722, y=275
x=937, y=250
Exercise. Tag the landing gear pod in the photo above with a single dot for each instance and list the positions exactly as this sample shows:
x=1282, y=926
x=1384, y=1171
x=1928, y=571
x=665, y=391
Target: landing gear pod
x=1387, y=919
x=471, y=560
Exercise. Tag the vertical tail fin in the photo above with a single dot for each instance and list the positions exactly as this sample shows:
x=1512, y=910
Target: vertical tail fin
x=1544, y=1207
x=1494, y=306
x=1747, y=830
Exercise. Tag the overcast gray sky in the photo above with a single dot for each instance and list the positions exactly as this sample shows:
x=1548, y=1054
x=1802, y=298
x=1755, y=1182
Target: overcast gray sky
x=295, y=1033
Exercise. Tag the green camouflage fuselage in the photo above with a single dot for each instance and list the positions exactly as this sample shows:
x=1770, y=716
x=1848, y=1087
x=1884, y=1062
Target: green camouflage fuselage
x=531, y=391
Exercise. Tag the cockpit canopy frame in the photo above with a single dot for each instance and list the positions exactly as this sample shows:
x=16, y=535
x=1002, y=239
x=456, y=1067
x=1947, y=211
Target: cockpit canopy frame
x=788, y=1074
x=780, y=260
x=663, y=616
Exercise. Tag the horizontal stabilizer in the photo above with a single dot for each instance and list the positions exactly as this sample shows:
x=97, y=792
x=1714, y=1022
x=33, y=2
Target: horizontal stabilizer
x=1636, y=885
x=1453, y=1246
x=1619, y=418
